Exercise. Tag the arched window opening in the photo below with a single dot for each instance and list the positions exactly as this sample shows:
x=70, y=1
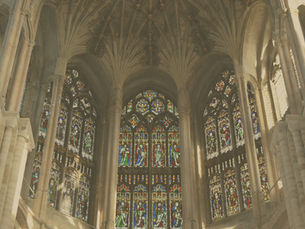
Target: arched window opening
x=258, y=142
x=302, y=18
x=278, y=88
x=72, y=165
x=149, y=185
x=229, y=187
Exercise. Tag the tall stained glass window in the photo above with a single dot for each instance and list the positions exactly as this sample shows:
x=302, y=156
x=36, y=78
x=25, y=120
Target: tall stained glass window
x=258, y=142
x=229, y=187
x=44, y=120
x=72, y=165
x=149, y=183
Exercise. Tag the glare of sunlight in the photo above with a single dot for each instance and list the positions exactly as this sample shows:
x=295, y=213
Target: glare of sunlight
x=199, y=161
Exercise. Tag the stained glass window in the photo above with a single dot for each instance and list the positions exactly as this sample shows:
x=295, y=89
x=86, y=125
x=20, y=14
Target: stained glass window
x=258, y=143
x=149, y=186
x=72, y=165
x=228, y=176
x=44, y=119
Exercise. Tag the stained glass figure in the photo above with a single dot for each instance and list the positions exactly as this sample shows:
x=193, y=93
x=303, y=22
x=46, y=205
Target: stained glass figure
x=82, y=201
x=75, y=133
x=239, y=130
x=159, y=207
x=253, y=110
x=216, y=198
x=67, y=200
x=232, y=202
x=158, y=147
x=170, y=106
x=35, y=177
x=61, y=125
x=123, y=207
x=175, y=198
x=173, y=147
x=125, y=147
x=220, y=85
x=142, y=106
x=53, y=185
x=88, y=140
x=263, y=172
x=141, y=147
x=246, y=186
x=140, y=207
x=211, y=139
x=224, y=132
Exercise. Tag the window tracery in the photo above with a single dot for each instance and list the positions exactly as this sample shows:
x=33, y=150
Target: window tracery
x=149, y=185
x=229, y=186
x=72, y=163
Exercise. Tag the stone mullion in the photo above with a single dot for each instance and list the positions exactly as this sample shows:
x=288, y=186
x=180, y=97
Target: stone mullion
x=167, y=185
x=250, y=147
x=150, y=186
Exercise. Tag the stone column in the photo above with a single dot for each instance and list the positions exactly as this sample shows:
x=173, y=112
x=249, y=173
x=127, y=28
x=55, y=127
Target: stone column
x=189, y=205
x=281, y=147
x=100, y=171
x=11, y=123
x=201, y=178
x=296, y=123
x=257, y=195
x=20, y=77
x=10, y=126
x=115, y=110
x=9, y=47
x=41, y=199
x=24, y=144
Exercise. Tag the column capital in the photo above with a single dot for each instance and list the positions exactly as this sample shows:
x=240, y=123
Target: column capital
x=11, y=119
x=25, y=130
